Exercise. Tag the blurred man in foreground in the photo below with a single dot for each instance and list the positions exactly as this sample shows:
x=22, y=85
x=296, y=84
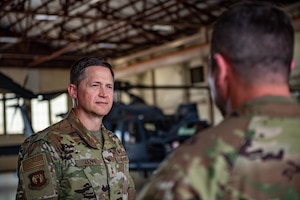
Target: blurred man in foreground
x=254, y=153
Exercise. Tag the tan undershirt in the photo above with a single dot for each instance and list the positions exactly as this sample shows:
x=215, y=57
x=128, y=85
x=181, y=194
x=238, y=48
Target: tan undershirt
x=98, y=135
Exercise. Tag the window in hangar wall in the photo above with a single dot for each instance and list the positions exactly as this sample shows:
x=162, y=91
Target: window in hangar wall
x=1, y=114
x=59, y=107
x=197, y=74
x=41, y=111
x=39, y=114
x=10, y=114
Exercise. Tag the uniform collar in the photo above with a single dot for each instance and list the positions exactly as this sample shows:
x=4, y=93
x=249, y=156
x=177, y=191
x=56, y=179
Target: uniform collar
x=268, y=99
x=262, y=104
x=83, y=132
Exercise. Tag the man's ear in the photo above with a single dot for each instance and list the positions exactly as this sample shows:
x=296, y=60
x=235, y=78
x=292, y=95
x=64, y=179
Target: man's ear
x=222, y=68
x=222, y=76
x=292, y=66
x=72, y=90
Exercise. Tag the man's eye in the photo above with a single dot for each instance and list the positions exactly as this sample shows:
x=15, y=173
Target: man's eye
x=95, y=85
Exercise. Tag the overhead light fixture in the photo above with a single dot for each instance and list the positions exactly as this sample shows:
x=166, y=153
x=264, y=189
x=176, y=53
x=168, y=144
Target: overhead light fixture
x=107, y=45
x=158, y=27
x=93, y=1
x=9, y=40
x=45, y=17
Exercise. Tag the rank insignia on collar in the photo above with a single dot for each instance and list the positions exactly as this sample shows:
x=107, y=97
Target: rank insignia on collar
x=37, y=180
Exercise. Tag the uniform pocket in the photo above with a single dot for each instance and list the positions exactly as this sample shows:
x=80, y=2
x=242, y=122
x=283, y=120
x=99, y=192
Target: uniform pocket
x=88, y=179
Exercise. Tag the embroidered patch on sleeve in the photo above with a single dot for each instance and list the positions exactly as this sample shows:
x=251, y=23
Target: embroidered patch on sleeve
x=33, y=162
x=37, y=180
x=36, y=170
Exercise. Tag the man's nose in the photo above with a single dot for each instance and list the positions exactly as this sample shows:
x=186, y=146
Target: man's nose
x=102, y=91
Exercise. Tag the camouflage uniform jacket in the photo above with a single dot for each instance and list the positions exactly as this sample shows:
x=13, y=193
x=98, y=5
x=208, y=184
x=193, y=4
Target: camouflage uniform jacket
x=66, y=161
x=253, y=154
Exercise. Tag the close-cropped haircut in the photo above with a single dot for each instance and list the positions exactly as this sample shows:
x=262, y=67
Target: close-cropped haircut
x=77, y=72
x=256, y=38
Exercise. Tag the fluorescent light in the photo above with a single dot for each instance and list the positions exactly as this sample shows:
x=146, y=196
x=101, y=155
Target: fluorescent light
x=93, y=1
x=45, y=17
x=107, y=45
x=9, y=39
x=158, y=27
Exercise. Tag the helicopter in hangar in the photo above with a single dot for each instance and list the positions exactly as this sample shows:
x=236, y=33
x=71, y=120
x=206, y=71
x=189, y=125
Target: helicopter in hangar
x=147, y=134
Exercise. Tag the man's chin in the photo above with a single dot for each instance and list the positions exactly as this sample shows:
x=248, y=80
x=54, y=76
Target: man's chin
x=96, y=113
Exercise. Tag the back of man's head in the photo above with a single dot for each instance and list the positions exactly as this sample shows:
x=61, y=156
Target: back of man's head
x=257, y=39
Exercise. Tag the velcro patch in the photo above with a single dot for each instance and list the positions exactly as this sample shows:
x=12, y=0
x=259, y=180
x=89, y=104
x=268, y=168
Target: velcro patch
x=88, y=162
x=33, y=162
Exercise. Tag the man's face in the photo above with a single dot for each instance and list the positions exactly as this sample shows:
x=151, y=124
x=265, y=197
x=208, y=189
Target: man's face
x=95, y=92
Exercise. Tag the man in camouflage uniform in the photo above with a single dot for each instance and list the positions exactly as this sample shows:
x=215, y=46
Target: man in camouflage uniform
x=77, y=158
x=254, y=153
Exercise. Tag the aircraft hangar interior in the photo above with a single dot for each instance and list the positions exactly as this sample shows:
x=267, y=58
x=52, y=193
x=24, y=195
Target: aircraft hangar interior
x=158, y=50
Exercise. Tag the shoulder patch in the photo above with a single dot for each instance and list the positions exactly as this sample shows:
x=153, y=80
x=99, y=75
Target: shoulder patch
x=36, y=178
x=33, y=162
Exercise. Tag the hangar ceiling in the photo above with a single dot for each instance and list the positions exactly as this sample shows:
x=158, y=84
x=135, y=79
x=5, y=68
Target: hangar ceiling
x=54, y=33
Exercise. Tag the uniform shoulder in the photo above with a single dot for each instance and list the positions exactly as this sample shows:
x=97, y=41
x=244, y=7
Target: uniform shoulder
x=225, y=136
x=225, y=130
x=50, y=136
x=60, y=128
